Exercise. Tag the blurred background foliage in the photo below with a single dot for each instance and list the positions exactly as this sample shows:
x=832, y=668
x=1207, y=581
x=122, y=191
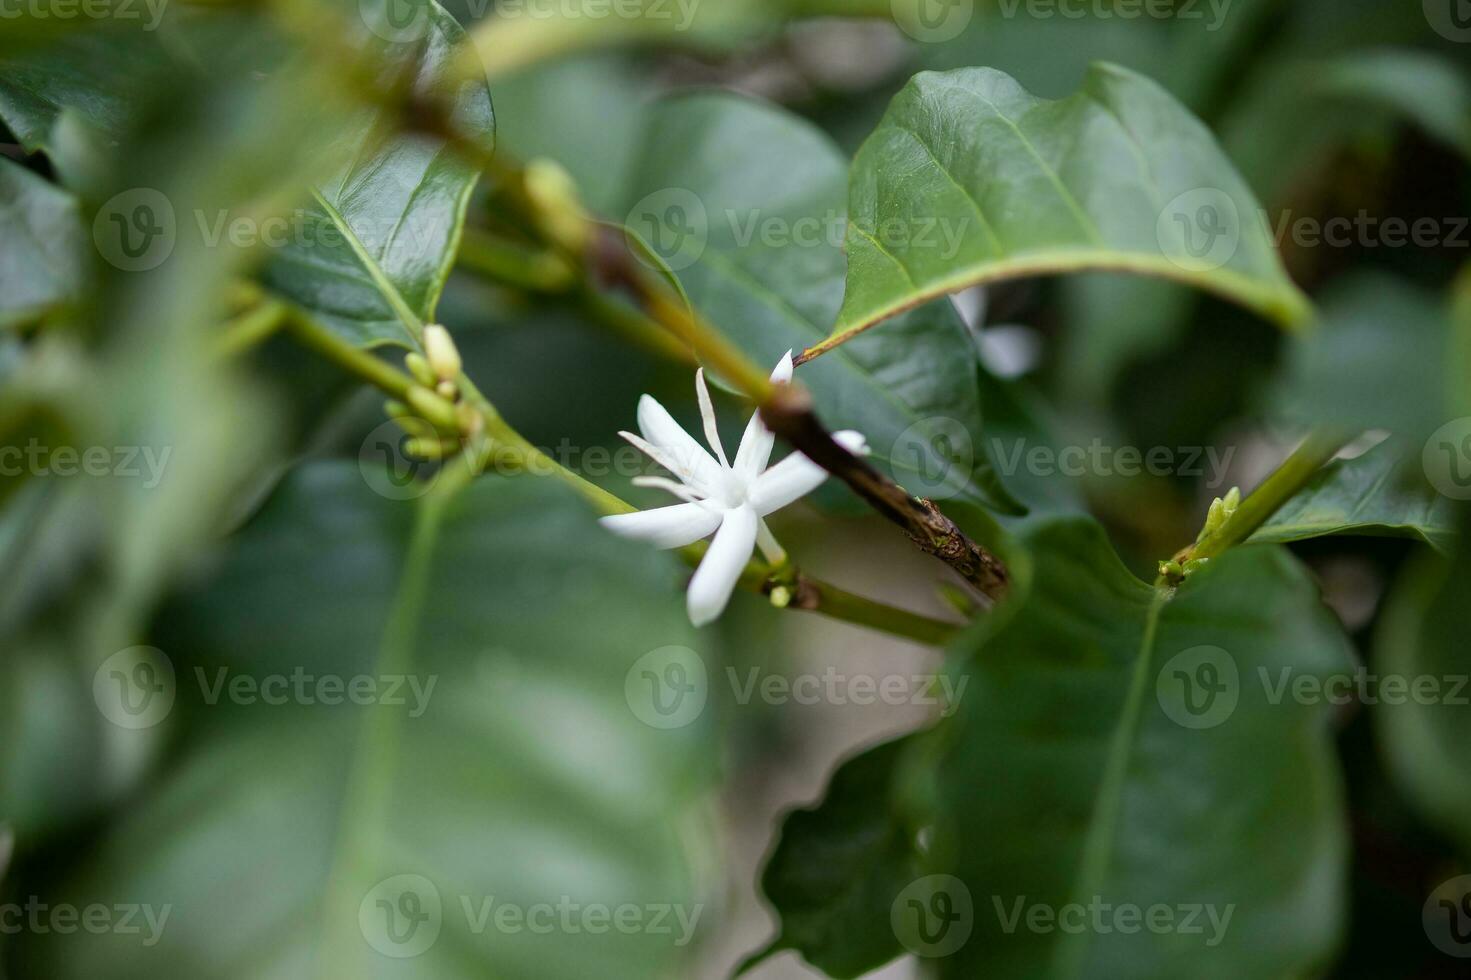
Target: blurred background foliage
x=263, y=547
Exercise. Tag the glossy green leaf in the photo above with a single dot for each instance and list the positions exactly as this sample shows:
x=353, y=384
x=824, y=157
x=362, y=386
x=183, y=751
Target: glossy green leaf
x=749, y=213
x=1423, y=728
x=1379, y=358
x=1381, y=493
x=505, y=769
x=840, y=865
x=379, y=240
x=1117, y=177
x=42, y=246
x=1121, y=748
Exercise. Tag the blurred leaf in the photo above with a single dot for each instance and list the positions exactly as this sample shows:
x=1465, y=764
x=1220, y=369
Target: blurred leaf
x=1381, y=493
x=1377, y=359
x=749, y=214
x=1117, y=747
x=378, y=244
x=1424, y=731
x=513, y=774
x=840, y=865
x=41, y=246
x=1118, y=177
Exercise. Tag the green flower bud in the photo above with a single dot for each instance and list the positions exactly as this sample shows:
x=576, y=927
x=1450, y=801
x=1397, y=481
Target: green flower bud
x=1233, y=500
x=420, y=369
x=443, y=355
x=781, y=597
x=554, y=194
x=433, y=408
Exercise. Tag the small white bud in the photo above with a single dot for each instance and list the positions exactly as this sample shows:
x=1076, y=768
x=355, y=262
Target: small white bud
x=443, y=355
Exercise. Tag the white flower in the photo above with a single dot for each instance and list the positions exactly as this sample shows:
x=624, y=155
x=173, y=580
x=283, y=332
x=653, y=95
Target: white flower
x=728, y=499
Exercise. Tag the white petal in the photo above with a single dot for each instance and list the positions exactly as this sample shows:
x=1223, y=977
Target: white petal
x=796, y=476
x=707, y=415
x=667, y=527
x=783, y=372
x=755, y=449
x=721, y=568
x=685, y=457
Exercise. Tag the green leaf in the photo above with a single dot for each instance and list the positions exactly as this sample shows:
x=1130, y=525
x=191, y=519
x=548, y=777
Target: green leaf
x=521, y=777
x=380, y=239
x=1380, y=358
x=1117, y=177
x=1424, y=730
x=1382, y=493
x=749, y=214
x=42, y=246
x=1121, y=746
x=841, y=864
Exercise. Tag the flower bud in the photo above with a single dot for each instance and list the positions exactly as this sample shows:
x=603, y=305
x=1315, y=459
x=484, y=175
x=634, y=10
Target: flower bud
x=443, y=355
x=433, y=408
x=420, y=369
x=553, y=193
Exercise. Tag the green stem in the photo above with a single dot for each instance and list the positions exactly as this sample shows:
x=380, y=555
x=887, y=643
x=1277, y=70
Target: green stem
x=1316, y=451
x=251, y=328
x=350, y=358
x=513, y=265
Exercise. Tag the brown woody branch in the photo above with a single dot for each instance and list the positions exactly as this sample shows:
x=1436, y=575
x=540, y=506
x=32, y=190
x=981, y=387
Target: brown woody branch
x=788, y=411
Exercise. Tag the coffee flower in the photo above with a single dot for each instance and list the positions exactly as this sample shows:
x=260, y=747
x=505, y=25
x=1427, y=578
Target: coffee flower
x=721, y=497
